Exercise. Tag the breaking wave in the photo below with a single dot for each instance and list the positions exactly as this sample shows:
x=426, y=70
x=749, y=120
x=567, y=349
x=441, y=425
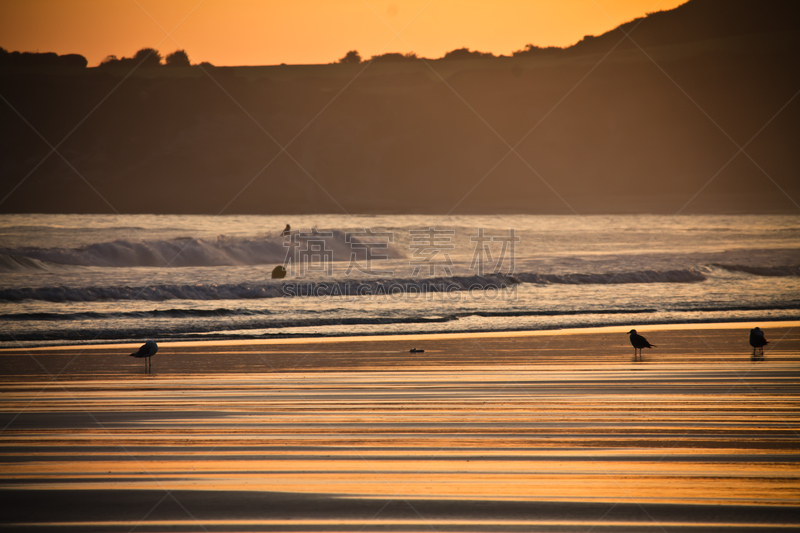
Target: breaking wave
x=276, y=320
x=156, y=313
x=785, y=270
x=387, y=287
x=282, y=328
x=687, y=275
x=182, y=252
x=10, y=263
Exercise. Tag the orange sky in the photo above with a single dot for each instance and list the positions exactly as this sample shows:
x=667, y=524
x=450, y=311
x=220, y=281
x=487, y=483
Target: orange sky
x=267, y=32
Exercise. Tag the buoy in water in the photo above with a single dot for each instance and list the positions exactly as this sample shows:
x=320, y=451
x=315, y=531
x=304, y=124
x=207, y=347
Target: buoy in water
x=279, y=272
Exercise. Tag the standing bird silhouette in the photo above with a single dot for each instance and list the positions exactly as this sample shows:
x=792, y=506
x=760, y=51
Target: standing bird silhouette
x=286, y=231
x=638, y=343
x=147, y=351
x=758, y=340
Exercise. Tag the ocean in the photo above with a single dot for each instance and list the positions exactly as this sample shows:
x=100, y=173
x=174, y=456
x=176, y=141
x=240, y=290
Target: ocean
x=75, y=279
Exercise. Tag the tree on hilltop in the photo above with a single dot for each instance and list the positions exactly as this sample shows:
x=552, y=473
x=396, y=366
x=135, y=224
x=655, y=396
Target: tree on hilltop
x=351, y=57
x=36, y=59
x=147, y=57
x=533, y=50
x=395, y=56
x=466, y=53
x=178, y=58
x=113, y=61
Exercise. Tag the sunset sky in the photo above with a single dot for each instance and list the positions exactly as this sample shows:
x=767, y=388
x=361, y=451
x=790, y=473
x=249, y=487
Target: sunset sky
x=266, y=32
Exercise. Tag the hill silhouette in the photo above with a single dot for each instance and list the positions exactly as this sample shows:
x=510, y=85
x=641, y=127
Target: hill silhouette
x=36, y=59
x=703, y=20
x=654, y=124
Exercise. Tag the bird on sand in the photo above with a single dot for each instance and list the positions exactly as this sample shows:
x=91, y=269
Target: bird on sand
x=638, y=343
x=286, y=231
x=758, y=340
x=147, y=350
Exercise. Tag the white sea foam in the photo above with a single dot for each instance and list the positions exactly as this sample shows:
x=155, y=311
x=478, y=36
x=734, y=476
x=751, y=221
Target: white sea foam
x=12, y=263
x=77, y=278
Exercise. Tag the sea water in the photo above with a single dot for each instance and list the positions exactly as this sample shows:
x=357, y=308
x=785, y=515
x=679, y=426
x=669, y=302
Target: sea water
x=71, y=279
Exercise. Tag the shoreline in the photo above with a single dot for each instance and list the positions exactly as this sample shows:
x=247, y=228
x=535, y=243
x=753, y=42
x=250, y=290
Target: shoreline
x=421, y=337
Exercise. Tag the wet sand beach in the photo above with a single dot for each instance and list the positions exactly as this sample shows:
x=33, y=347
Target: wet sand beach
x=508, y=432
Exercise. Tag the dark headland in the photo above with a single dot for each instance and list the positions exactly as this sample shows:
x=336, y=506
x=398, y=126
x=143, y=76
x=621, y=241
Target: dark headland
x=609, y=125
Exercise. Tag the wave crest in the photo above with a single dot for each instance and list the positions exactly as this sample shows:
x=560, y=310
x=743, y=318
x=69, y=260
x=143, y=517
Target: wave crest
x=772, y=271
x=185, y=252
x=336, y=287
x=688, y=275
x=10, y=263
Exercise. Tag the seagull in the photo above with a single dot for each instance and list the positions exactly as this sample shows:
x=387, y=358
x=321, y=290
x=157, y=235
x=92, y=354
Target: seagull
x=147, y=351
x=757, y=340
x=639, y=342
x=286, y=231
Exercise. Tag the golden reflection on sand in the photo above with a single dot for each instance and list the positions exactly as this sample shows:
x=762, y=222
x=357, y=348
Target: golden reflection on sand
x=357, y=525
x=674, y=432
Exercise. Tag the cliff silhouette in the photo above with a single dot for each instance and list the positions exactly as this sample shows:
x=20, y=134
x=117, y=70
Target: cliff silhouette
x=653, y=123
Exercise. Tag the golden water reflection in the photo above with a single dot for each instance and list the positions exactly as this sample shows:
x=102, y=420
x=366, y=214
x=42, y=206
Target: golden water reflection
x=720, y=435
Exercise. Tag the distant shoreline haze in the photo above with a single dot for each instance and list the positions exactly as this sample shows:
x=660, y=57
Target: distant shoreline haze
x=648, y=124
